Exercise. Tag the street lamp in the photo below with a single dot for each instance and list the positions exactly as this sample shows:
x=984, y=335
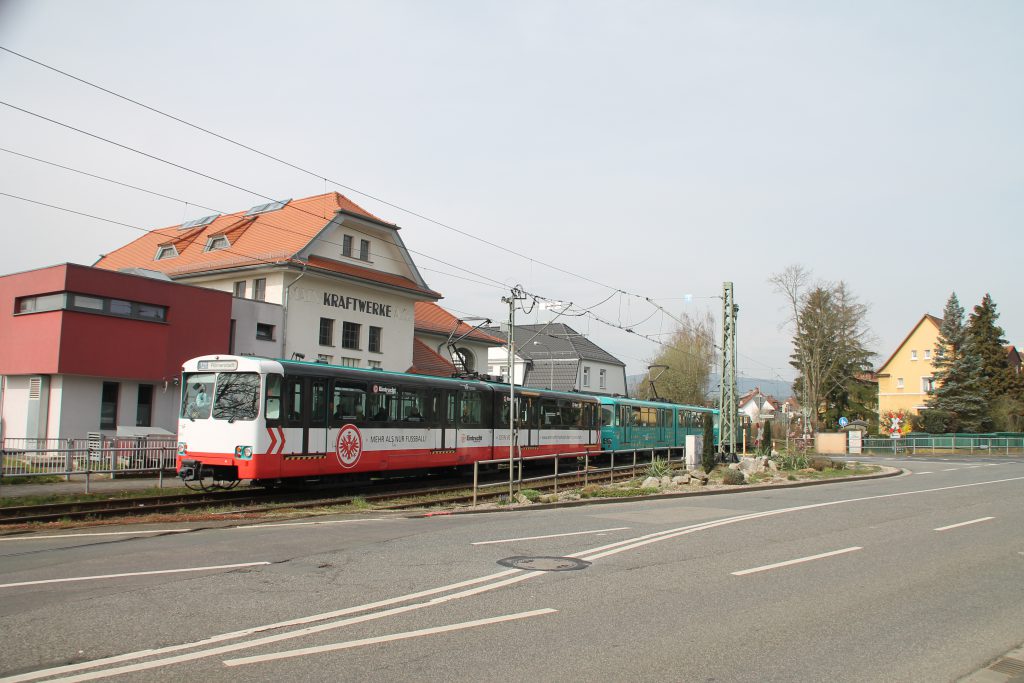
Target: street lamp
x=551, y=365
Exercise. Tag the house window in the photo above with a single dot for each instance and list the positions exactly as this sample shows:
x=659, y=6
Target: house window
x=927, y=384
x=240, y=289
x=324, y=358
x=586, y=375
x=144, y=406
x=927, y=354
x=375, y=364
x=264, y=332
x=165, y=252
x=899, y=382
x=350, y=362
x=375, y=337
x=346, y=245
x=364, y=250
x=913, y=355
x=603, y=378
x=259, y=289
x=218, y=242
x=108, y=405
x=326, y=332
x=350, y=335
x=39, y=304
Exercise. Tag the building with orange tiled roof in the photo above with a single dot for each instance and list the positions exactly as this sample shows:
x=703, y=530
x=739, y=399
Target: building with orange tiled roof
x=337, y=282
x=462, y=347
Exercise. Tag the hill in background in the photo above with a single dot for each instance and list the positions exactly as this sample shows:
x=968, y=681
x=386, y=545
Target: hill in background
x=778, y=388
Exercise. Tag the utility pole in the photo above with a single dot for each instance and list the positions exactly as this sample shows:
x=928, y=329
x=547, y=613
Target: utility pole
x=513, y=428
x=727, y=393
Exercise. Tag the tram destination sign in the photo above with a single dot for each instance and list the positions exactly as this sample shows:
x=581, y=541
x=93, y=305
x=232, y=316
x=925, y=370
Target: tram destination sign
x=351, y=303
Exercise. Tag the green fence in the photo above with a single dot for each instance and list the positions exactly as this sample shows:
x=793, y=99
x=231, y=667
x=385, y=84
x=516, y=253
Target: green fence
x=1005, y=443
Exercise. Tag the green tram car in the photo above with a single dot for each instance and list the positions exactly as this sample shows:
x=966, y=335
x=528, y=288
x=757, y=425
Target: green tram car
x=628, y=424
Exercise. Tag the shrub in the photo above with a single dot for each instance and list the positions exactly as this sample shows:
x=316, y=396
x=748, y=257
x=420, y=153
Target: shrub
x=732, y=477
x=839, y=464
x=589, y=491
x=659, y=468
x=531, y=495
x=937, y=421
x=819, y=463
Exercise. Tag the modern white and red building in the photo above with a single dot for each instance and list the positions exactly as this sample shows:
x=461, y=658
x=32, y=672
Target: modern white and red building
x=88, y=350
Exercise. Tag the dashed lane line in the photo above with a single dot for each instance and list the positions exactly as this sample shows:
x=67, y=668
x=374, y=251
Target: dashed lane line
x=119, y=576
x=954, y=526
x=799, y=560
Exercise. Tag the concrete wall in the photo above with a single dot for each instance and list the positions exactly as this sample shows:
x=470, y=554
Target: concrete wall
x=830, y=444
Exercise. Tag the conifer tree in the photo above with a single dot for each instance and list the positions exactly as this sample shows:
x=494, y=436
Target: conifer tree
x=986, y=340
x=708, y=452
x=960, y=391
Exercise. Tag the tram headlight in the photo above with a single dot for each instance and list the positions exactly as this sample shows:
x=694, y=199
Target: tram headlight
x=243, y=452
x=182, y=448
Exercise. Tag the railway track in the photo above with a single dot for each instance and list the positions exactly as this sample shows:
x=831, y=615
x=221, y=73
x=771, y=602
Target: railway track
x=408, y=494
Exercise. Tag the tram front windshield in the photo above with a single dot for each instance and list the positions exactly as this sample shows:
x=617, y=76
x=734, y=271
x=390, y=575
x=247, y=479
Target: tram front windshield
x=226, y=395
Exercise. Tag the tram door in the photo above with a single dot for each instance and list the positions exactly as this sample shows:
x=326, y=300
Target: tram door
x=314, y=440
x=443, y=409
x=626, y=424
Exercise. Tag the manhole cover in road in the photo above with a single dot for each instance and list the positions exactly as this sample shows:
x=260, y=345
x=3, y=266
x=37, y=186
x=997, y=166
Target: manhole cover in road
x=545, y=564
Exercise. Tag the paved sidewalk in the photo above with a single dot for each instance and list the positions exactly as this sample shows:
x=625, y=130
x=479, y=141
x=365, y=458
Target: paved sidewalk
x=1008, y=668
x=97, y=484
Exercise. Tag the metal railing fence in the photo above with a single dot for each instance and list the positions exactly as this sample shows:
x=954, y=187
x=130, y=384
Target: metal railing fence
x=1005, y=444
x=104, y=455
x=585, y=461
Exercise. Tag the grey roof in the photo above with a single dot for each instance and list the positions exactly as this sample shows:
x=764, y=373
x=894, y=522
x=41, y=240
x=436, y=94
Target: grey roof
x=553, y=353
x=555, y=340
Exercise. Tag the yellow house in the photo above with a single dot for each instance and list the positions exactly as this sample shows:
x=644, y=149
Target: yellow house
x=906, y=378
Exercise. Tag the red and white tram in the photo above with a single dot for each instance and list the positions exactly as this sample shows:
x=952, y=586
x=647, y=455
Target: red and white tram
x=267, y=420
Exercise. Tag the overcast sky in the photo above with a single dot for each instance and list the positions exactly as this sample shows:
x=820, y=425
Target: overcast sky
x=656, y=148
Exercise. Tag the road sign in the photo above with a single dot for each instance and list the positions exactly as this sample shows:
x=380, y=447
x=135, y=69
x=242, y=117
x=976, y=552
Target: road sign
x=843, y=422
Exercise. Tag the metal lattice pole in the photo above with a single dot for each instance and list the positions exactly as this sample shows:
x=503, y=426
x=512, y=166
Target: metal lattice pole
x=727, y=394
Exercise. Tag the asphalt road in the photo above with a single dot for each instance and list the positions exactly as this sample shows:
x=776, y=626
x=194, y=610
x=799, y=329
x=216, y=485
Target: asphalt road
x=911, y=578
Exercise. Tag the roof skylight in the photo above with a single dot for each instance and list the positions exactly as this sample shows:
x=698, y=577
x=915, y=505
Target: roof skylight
x=268, y=207
x=199, y=222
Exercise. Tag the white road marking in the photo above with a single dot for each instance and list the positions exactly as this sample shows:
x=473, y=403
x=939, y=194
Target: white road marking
x=922, y=472
x=954, y=526
x=118, y=576
x=951, y=469
x=533, y=538
x=971, y=467
x=301, y=652
x=787, y=563
x=592, y=554
x=44, y=537
x=329, y=521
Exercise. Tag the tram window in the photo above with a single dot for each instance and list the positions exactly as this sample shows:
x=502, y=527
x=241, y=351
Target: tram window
x=295, y=401
x=318, y=413
x=664, y=418
x=238, y=396
x=635, y=416
x=413, y=403
x=550, y=414
x=607, y=416
x=348, y=402
x=197, y=395
x=383, y=404
x=273, y=408
x=571, y=413
x=501, y=413
x=451, y=409
x=471, y=409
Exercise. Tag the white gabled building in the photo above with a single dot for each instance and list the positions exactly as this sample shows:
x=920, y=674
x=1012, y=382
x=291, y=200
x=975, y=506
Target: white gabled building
x=318, y=278
x=555, y=356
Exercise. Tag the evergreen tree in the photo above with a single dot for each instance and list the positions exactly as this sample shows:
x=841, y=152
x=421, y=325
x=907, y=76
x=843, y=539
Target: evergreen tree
x=986, y=340
x=766, y=441
x=959, y=395
x=708, y=453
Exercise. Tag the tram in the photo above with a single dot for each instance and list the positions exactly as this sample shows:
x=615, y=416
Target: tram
x=628, y=423
x=245, y=417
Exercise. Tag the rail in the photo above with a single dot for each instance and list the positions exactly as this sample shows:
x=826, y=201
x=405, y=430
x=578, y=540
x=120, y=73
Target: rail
x=627, y=459
x=76, y=458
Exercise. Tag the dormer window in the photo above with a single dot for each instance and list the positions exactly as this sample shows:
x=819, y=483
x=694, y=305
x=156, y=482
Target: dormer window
x=168, y=251
x=218, y=242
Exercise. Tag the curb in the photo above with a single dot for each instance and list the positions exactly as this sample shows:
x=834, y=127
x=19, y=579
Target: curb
x=896, y=472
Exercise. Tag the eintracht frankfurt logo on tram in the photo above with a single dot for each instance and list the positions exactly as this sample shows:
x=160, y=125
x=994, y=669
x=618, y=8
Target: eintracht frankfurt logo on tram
x=349, y=446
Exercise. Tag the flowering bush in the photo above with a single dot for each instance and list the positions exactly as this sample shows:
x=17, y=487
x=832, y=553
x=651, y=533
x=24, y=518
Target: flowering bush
x=894, y=422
